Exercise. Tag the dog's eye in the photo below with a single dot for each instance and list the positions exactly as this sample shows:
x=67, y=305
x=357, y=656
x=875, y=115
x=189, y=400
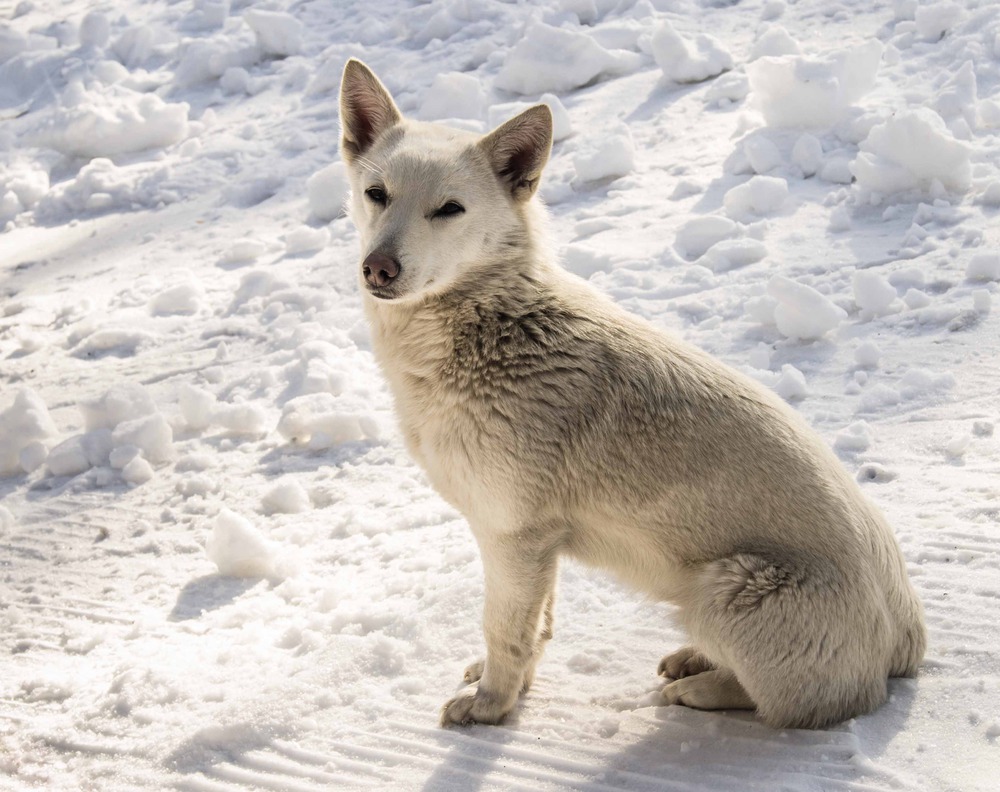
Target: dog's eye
x=377, y=195
x=450, y=209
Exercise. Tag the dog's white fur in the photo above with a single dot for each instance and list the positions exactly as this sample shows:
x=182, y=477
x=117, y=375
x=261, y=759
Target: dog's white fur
x=559, y=424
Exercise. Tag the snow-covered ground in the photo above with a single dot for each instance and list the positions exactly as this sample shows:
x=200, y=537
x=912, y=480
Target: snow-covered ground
x=219, y=569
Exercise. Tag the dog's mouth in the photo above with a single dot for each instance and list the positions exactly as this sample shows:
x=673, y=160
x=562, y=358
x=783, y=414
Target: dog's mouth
x=387, y=293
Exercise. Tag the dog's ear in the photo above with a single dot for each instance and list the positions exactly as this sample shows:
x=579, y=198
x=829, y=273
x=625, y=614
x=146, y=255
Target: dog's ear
x=366, y=109
x=518, y=150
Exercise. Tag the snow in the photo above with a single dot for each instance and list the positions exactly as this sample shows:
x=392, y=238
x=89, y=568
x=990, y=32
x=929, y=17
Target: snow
x=219, y=567
x=913, y=150
x=813, y=91
x=688, y=61
x=610, y=156
x=801, y=312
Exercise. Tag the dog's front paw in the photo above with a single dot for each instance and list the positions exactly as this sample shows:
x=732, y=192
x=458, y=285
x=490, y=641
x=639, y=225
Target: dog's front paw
x=472, y=705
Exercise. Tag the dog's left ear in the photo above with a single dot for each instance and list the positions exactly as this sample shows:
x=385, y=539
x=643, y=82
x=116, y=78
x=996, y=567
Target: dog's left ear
x=518, y=150
x=366, y=109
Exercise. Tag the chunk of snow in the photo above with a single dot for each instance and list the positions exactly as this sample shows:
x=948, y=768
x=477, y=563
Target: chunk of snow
x=25, y=422
x=855, y=438
x=454, y=95
x=33, y=456
x=732, y=253
x=124, y=402
x=983, y=267
x=686, y=61
x=238, y=549
x=867, y=354
x=152, y=434
x=241, y=419
x=796, y=91
x=696, y=236
x=762, y=154
x=608, y=157
x=328, y=189
x=95, y=30
x=807, y=154
x=286, y=497
x=958, y=445
x=801, y=311
x=306, y=240
x=277, y=32
x=791, y=384
x=116, y=120
x=557, y=59
x=184, y=298
x=137, y=471
x=774, y=42
x=68, y=458
x=317, y=419
x=762, y=195
x=873, y=294
x=7, y=521
x=729, y=87
x=911, y=151
x=934, y=19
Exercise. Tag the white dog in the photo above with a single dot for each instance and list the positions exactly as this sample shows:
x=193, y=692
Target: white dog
x=559, y=424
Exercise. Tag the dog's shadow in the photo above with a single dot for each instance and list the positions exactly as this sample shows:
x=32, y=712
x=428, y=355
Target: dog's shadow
x=679, y=748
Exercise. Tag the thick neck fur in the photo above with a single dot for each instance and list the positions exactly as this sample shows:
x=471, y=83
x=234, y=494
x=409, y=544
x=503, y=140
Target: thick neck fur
x=420, y=336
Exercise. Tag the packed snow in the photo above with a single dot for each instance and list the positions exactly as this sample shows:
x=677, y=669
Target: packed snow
x=219, y=568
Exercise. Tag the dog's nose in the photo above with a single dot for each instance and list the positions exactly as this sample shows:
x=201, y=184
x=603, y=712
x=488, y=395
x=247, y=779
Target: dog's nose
x=379, y=269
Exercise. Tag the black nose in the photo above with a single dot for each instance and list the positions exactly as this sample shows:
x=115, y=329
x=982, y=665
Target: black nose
x=379, y=269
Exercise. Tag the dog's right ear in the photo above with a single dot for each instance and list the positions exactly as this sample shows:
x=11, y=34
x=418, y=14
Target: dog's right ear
x=366, y=110
x=519, y=149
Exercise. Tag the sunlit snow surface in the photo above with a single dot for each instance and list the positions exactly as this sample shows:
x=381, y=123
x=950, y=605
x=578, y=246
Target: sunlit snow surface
x=187, y=391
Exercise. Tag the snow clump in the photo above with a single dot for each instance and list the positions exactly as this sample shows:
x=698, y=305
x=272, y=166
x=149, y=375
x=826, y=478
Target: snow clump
x=762, y=195
x=278, y=34
x=23, y=426
x=454, y=95
x=797, y=91
x=328, y=189
x=696, y=236
x=912, y=150
x=608, y=157
x=801, y=312
x=91, y=123
x=558, y=60
x=238, y=549
x=873, y=294
x=286, y=497
x=983, y=267
x=685, y=61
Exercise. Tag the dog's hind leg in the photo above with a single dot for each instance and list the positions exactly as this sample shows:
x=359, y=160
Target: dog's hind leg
x=520, y=571
x=809, y=645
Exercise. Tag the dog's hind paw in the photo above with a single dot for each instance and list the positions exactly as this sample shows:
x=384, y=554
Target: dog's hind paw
x=709, y=690
x=683, y=663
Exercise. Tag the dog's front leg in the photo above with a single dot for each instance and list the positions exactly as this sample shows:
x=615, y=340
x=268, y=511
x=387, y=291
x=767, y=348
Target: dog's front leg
x=520, y=574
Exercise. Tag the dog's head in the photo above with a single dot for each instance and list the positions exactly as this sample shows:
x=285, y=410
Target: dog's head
x=434, y=205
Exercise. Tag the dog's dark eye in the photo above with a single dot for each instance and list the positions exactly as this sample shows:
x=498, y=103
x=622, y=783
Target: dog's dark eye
x=377, y=195
x=450, y=209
